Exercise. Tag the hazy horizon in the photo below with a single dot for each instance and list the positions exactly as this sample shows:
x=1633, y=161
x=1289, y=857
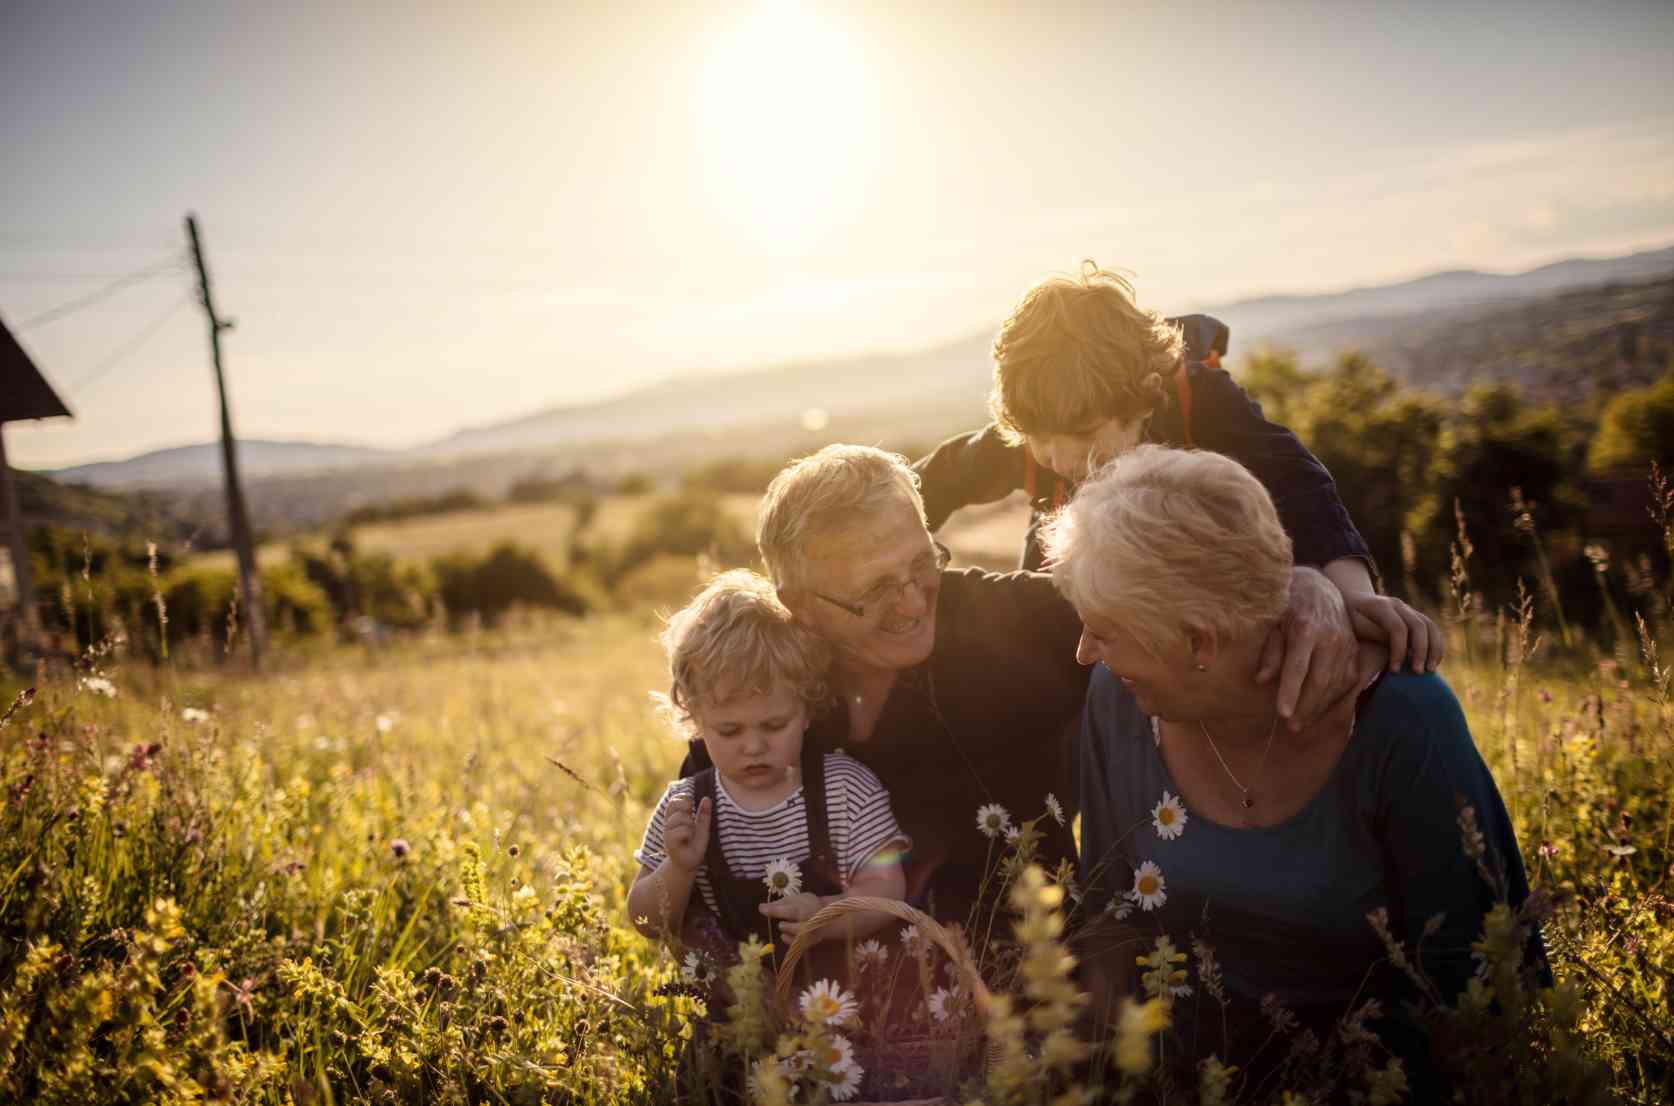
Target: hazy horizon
x=424, y=219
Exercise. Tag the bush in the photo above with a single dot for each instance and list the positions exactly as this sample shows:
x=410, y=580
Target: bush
x=460, y=499
x=199, y=601
x=691, y=524
x=739, y=475
x=373, y=585
x=509, y=576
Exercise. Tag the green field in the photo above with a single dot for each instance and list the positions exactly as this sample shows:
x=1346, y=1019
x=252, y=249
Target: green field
x=395, y=873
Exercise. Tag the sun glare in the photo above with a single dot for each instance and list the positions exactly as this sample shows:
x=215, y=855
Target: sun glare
x=789, y=120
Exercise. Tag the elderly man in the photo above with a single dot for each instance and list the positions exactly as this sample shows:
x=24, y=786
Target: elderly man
x=958, y=687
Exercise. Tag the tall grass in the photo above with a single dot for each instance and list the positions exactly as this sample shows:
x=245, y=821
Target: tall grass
x=397, y=875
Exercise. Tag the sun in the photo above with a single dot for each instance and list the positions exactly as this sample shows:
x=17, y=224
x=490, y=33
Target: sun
x=788, y=121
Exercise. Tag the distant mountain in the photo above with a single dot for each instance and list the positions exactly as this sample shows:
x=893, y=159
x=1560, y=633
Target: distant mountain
x=1565, y=347
x=201, y=464
x=44, y=501
x=1317, y=326
x=714, y=405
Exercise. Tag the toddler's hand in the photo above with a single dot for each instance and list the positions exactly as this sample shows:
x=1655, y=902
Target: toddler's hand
x=685, y=834
x=792, y=911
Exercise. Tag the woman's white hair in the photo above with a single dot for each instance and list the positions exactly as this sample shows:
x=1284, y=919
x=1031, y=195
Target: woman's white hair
x=817, y=496
x=1168, y=541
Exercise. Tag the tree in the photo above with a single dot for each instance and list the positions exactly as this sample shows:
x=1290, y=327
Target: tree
x=1377, y=440
x=1636, y=429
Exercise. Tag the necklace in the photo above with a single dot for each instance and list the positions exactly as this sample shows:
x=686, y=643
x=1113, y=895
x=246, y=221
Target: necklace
x=1262, y=763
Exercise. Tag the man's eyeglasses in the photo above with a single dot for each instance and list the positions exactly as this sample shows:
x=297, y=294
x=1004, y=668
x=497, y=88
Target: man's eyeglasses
x=886, y=593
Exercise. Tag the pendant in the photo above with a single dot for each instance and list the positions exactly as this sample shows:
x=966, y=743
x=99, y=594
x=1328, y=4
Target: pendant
x=1248, y=802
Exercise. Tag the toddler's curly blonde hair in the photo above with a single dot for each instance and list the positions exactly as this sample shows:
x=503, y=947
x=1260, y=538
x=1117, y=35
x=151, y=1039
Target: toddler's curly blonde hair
x=736, y=638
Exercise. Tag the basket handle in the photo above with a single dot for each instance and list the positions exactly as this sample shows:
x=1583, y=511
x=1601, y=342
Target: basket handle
x=931, y=929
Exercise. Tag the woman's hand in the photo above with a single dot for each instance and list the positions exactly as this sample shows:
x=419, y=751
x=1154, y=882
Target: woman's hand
x=1313, y=651
x=792, y=911
x=686, y=834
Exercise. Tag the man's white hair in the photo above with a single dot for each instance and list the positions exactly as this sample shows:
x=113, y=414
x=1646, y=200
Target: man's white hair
x=819, y=495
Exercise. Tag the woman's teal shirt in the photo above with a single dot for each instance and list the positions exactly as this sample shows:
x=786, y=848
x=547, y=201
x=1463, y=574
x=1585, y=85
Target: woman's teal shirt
x=1285, y=907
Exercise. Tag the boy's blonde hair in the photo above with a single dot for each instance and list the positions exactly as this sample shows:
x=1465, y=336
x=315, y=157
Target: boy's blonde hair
x=818, y=495
x=1076, y=352
x=734, y=638
x=1167, y=541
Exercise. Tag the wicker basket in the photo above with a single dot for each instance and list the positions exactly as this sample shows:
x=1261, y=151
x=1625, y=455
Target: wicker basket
x=928, y=928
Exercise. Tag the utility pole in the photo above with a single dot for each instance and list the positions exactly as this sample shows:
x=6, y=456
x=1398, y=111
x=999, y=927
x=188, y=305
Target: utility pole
x=12, y=518
x=238, y=520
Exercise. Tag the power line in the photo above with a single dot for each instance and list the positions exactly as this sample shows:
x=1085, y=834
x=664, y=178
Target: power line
x=94, y=297
x=31, y=278
x=128, y=348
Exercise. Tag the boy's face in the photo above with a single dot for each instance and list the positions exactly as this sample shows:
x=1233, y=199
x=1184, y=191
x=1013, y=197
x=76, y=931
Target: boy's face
x=755, y=740
x=1073, y=456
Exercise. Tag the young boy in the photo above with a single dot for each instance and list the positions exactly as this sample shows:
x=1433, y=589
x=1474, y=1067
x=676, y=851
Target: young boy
x=1082, y=373
x=772, y=831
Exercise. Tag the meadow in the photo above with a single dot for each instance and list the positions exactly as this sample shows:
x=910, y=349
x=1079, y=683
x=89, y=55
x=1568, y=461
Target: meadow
x=394, y=872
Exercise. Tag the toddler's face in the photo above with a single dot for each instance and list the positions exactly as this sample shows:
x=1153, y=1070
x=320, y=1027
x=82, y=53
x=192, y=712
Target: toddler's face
x=755, y=739
x=1073, y=456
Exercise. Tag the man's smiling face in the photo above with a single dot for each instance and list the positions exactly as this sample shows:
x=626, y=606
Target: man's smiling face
x=885, y=563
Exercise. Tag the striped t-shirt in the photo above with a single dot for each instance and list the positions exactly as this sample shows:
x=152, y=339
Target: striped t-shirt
x=857, y=813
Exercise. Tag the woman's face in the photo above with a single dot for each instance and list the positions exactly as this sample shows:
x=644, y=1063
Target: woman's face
x=1073, y=456
x=1155, y=683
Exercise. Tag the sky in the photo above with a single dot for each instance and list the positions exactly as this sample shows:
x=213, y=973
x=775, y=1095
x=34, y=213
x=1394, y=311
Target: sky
x=430, y=216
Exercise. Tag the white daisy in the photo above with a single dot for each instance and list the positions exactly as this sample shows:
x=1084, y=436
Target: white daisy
x=847, y=1083
x=1012, y=835
x=943, y=1003
x=782, y=878
x=195, y=714
x=993, y=819
x=1055, y=808
x=1148, y=886
x=1181, y=990
x=696, y=968
x=99, y=684
x=1169, y=817
x=1119, y=907
x=910, y=937
x=826, y=1003
x=869, y=953
x=835, y=1054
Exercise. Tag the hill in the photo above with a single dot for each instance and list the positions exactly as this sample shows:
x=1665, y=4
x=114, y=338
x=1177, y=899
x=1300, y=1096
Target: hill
x=1290, y=320
x=44, y=501
x=1564, y=347
x=201, y=463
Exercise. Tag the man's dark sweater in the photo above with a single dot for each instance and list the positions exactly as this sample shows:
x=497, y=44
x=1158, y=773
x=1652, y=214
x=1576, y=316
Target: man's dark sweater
x=984, y=720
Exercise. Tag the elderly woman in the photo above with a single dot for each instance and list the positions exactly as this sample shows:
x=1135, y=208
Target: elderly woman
x=1202, y=815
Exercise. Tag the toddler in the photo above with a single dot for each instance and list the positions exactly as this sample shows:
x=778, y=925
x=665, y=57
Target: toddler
x=773, y=831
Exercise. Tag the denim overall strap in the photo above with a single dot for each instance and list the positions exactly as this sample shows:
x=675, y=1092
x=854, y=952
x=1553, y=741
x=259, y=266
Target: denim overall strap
x=740, y=899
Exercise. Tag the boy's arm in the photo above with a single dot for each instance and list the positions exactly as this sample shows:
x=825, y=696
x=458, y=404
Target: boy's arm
x=978, y=467
x=675, y=843
x=1225, y=419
